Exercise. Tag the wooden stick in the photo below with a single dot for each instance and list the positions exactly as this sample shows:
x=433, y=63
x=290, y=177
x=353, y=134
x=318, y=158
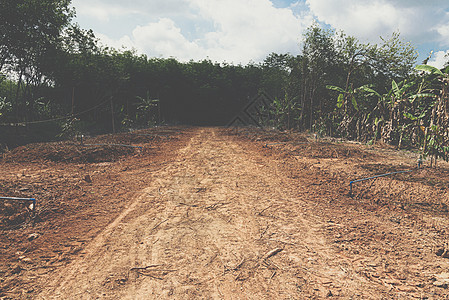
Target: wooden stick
x=260, y=213
x=158, y=224
x=272, y=253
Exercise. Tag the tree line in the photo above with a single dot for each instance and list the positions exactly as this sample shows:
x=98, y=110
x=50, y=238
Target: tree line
x=51, y=69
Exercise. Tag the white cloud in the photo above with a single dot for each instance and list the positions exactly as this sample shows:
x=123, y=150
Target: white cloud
x=237, y=31
x=360, y=18
x=249, y=30
x=101, y=12
x=369, y=19
x=443, y=31
x=123, y=42
x=439, y=59
x=106, y=10
x=240, y=31
x=165, y=39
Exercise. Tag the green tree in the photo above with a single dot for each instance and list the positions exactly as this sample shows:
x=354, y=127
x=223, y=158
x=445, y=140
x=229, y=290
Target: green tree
x=31, y=33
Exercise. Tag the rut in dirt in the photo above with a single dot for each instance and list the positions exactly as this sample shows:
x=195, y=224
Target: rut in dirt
x=219, y=222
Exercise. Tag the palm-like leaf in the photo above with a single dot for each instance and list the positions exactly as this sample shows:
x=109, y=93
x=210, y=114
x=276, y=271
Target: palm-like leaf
x=335, y=88
x=429, y=69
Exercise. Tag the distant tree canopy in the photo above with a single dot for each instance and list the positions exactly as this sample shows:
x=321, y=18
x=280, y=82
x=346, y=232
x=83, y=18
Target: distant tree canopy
x=50, y=69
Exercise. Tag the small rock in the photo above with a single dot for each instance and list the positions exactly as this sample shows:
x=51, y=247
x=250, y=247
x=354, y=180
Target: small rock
x=441, y=283
x=443, y=275
x=406, y=289
x=16, y=270
x=33, y=236
x=395, y=220
x=392, y=281
x=88, y=179
x=27, y=260
x=443, y=252
x=441, y=280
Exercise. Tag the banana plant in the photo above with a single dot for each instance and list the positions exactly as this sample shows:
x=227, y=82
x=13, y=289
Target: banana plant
x=147, y=103
x=5, y=106
x=429, y=69
x=283, y=109
x=347, y=94
x=401, y=91
x=436, y=143
x=359, y=118
x=146, y=106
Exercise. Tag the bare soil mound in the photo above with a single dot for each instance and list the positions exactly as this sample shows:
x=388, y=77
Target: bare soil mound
x=106, y=148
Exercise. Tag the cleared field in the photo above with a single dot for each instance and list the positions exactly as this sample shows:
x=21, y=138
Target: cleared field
x=222, y=213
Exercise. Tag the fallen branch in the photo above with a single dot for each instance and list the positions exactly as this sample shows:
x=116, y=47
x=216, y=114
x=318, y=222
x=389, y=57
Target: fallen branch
x=260, y=213
x=239, y=265
x=144, y=268
x=262, y=234
x=215, y=206
x=189, y=205
x=271, y=253
x=158, y=224
x=211, y=260
x=150, y=273
x=201, y=189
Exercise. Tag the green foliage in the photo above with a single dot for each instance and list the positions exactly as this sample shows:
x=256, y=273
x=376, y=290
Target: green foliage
x=42, y=109
x=436, y=144
x=30, y=40
x=5, y=107
x=335, y=88
x=337, y=85
x=146, y=107
x=340, y=100
x=70, y=128
x=283, y=111
x=429, y=69
x=413, y=112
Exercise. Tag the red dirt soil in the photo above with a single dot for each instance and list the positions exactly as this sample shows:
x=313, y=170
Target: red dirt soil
x=221, y=213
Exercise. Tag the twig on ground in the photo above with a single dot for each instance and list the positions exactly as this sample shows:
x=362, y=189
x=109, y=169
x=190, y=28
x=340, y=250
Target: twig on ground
x=260, y=213
x=216, y=205
x=239, y=265
x=190, y=205
x=272, y=253
x=211, y=260
x=201, y=189
x=146, y=272
x=158, y=224
x=144, y=268
x=262, y=234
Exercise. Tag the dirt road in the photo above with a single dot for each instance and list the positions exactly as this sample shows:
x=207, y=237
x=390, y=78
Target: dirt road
x=206, y=228
x=227, y=220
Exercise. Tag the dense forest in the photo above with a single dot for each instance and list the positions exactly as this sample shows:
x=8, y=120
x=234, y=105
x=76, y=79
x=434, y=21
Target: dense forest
x=56, y=81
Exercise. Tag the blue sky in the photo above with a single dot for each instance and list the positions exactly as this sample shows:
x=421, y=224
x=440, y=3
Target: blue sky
x=241, y=31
